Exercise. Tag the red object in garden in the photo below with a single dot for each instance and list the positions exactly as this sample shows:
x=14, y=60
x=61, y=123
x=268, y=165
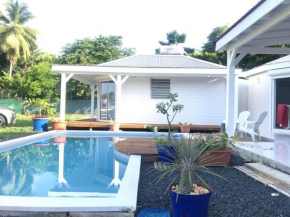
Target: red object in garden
x=282, y=115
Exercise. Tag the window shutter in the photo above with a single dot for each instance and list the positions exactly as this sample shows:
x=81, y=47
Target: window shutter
x=160, y=88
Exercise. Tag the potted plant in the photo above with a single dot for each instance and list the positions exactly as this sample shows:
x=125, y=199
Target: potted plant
x=164, y=108
x=114, y=126
x=57, y=124
x=189, y=197
x=43, y=108
x=162, y=143
x=221, y=156
x=184, y=127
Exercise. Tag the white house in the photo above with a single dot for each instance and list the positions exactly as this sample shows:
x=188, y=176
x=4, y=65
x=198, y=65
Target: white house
x=267, y=86
x=259, y=31
x=130, y=88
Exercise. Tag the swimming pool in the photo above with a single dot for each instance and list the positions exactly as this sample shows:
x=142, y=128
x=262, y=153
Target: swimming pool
x=67, y=171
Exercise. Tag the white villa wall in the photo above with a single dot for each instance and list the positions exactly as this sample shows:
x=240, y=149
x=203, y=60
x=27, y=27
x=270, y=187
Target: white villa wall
x=260, y=99
x=243, y=92
x=205, y=103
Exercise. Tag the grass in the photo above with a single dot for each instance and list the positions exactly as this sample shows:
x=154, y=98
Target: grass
x=23, y=124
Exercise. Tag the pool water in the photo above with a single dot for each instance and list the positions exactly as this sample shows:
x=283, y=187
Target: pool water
x=62, y=166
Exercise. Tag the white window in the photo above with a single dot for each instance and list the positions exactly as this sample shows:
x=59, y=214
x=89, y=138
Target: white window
x=160, y=88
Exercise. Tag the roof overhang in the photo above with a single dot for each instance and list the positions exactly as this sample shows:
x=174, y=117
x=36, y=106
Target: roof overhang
x=267, y=25
x=272, y=69
x=94, y=74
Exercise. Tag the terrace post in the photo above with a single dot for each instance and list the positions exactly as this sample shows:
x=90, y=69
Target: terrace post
x=93, y=89
x=62, y=96
x=231, y=96
x=119, y=82
x=64, y=80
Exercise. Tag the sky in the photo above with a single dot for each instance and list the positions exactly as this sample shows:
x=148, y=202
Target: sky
x=141, y=23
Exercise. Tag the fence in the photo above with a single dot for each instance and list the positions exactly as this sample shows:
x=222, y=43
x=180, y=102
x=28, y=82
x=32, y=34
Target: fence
x=72, y=106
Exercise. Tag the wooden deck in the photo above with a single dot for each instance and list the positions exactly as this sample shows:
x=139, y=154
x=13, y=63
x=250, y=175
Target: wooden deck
x=139, y=146
x=92, y=124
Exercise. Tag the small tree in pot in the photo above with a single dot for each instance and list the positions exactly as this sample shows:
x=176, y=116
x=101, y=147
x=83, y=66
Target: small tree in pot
x=189, y=197
x=164, y=108
x=43, y=108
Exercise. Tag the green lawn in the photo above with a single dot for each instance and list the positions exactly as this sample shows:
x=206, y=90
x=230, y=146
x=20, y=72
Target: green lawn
x=24, y=124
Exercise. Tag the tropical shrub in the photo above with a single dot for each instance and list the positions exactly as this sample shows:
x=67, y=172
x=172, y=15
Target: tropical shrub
x=164, y=108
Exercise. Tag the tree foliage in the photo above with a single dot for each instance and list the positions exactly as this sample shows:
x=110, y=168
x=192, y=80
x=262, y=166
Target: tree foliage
x=173, y=38
x=15, y=39
x=208, y=53
x=91, y=52
x=38, y=82
x=94, y=51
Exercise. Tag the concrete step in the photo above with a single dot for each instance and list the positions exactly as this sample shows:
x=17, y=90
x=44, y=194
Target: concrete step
x=273, y=174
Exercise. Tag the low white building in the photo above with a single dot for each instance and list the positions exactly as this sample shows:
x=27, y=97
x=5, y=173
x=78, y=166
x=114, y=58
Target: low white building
x=129, y=88
x=267, y=86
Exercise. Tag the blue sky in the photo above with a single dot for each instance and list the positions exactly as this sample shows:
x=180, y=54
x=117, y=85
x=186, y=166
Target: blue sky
x=141, y=23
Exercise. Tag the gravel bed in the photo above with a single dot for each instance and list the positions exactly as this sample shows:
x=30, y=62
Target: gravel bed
x=239, y=196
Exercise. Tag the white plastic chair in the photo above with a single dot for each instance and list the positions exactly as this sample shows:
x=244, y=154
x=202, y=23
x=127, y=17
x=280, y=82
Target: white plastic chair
x=241, y=122
x=252, y=127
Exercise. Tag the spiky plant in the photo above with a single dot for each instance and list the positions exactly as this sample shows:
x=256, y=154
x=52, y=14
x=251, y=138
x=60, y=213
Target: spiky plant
x=15, y=39
x=189, y=159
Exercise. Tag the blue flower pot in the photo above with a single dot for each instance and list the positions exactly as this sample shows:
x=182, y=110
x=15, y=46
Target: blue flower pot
x=163, y=151
x=40, y=124
x=190, y=205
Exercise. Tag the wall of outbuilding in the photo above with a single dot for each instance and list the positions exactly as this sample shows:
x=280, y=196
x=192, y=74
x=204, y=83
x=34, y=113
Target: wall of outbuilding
x=204, y=103
x=260, y=99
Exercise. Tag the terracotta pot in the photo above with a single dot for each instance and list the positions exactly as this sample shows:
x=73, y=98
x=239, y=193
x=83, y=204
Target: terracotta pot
x=59, y=125
x=219, y=158
x=59, y=139
x=114, y=127
x=185, y=128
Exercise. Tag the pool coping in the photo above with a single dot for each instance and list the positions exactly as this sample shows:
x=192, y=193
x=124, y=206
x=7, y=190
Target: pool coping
x=125, y=201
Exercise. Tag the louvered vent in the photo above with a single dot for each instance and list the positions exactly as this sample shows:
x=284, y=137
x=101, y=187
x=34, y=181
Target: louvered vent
x=160, y=88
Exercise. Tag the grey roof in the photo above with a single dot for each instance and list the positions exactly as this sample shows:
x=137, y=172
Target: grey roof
x=162, y=61
x=277, y=61
x=280, y=60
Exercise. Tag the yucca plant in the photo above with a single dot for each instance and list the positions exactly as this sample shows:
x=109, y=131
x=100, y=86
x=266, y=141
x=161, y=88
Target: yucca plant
x=189, y=158
x=189, y=197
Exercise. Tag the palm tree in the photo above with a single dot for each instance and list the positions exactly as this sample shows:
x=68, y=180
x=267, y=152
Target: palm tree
x=174, y=38
x=15, y=39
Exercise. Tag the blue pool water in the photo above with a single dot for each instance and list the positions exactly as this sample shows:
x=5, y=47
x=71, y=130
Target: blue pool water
x=62, y=167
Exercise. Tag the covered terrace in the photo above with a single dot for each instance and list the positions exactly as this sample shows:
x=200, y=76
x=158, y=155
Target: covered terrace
x=260, y=31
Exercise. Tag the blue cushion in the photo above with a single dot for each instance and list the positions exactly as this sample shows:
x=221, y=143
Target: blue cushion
x=154, y=213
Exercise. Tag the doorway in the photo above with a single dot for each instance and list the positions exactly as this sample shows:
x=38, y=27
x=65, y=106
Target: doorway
x=282, y=95
x=107, y=101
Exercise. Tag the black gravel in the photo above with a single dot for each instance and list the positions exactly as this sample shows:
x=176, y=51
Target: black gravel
x=239, y=196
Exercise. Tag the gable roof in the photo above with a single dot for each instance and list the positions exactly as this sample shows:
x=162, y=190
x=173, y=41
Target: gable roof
x=161, y=61
x=241, y=19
